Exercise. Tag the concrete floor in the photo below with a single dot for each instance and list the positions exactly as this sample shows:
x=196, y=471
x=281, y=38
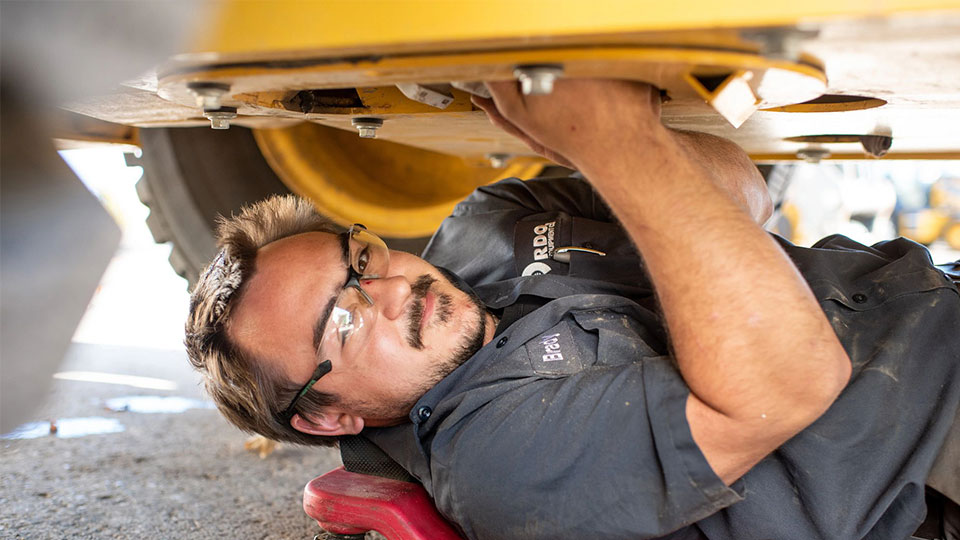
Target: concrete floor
x=166, y=475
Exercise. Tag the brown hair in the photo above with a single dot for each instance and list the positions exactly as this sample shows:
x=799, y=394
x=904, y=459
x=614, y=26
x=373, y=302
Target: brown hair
x=248, y=393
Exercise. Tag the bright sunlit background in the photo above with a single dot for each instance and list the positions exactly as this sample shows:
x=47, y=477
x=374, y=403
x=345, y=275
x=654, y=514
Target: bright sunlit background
x=871, y=201
x=141, y=301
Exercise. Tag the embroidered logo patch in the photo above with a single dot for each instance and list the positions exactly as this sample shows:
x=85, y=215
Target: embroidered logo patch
x=536, y=239
x=543, y=248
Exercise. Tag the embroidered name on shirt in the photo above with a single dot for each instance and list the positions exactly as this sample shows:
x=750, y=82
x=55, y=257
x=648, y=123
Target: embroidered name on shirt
x=551, y=348
x=554, y=352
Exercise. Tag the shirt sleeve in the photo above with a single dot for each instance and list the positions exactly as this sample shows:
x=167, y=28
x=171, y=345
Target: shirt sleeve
x=604, y=453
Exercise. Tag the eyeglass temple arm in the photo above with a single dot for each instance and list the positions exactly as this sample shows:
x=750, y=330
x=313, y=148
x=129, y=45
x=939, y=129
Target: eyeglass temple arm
x=322, y=369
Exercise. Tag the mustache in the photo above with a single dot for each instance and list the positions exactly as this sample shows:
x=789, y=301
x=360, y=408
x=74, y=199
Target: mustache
x=419, y=290
x=443, y=309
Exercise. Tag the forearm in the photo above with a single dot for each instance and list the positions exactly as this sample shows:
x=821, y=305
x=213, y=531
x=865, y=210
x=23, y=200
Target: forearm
x=746, y=331
x=750, y=340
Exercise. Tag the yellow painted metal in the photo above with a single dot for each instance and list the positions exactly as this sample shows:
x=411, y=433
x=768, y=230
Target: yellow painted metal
x=952, y=235
x=657, y=65
x=377, y=100
x=833, y=106
x=853, y=156
x=902, y=57
x=825, y=138
x=245, y=26
x=264, y=89
x=923, y=226
x=393, y=189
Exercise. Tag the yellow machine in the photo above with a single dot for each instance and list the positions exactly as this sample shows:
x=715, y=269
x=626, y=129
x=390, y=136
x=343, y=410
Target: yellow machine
x=364, y=107
x=940, y=220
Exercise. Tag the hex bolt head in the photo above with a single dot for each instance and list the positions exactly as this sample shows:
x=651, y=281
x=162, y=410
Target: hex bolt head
x=220, y=118
x=780, y=43
x=813, y=154
x=497, y=160
x=876, y=145
x=367, y=127
x=537, y=80
x=208, y=94
x=219, y=123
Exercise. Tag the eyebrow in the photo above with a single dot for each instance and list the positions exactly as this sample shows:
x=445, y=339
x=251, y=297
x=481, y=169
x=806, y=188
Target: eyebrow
x=321, y=323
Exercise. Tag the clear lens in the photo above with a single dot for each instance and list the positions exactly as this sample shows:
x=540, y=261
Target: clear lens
x=348, y=326
x=369, y=255
x=353, y=314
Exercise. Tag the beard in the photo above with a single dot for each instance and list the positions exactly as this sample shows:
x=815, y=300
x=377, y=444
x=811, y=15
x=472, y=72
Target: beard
x=467, y=346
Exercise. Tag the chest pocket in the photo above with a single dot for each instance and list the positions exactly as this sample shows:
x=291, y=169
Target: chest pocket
x=601, y=250
x=621, y=263
x=621, y=338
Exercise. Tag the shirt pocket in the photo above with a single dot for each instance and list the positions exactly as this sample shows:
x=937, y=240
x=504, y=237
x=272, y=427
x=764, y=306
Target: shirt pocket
x=619, y=261
x=556, y=352
x=535, y=241
x=620, y=338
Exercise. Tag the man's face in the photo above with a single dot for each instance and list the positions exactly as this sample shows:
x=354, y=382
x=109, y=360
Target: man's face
x=423, y=328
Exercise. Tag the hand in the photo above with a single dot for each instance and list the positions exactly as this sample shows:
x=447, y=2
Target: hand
x=582, y=121
x=488, y=106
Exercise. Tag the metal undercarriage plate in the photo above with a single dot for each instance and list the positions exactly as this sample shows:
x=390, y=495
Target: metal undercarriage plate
x=908, y=62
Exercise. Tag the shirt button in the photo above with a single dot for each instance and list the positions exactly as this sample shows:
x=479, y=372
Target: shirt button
x=859, y=298
x=502, y=342
x=423, y=413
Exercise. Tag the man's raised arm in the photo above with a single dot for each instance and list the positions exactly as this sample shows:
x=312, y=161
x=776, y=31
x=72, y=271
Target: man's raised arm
x=750, y=339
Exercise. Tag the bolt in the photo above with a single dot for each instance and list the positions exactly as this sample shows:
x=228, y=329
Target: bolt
x=498, y=161
x=367, y=127
x=208, y=94
x=876, y=145
x=780, y=43
x=537, y=80
x=220, y=118
x=813, y=154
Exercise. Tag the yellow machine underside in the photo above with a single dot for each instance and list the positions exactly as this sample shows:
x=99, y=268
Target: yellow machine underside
x=752, y=72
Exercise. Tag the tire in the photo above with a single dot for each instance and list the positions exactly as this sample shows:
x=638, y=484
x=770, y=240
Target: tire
x=193, y=175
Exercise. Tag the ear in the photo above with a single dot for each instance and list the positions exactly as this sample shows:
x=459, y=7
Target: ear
x=328, y=422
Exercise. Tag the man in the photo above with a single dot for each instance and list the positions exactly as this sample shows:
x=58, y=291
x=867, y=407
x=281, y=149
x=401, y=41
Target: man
x=528, y=376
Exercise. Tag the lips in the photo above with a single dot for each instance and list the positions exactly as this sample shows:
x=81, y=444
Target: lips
x=429, y=300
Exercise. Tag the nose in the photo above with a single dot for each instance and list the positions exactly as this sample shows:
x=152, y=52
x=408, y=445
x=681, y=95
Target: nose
x=389, y=294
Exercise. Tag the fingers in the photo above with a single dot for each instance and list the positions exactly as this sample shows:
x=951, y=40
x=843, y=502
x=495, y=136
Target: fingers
x=507, y=96
x=497, y=119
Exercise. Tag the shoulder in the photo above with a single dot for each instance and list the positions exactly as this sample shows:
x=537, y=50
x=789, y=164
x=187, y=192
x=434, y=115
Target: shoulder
x=862, y=277
x=557, y=193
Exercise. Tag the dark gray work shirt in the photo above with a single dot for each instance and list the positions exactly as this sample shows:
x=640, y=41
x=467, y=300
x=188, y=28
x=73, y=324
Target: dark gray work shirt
x=571, y=421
